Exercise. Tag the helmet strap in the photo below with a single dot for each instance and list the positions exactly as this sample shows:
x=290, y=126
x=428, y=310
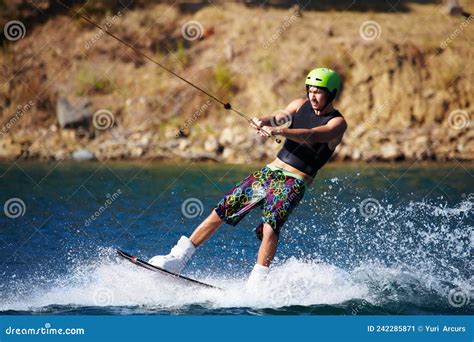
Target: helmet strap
x=331, y=97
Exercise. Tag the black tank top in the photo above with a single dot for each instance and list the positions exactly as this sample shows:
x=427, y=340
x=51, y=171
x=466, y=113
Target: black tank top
x=307, y=158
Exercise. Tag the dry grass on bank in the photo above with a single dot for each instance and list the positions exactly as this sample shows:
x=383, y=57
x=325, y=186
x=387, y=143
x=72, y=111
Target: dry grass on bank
x=256, y=58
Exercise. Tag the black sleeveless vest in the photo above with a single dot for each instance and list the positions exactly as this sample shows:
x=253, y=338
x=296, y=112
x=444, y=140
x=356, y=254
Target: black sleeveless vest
x=307, y=158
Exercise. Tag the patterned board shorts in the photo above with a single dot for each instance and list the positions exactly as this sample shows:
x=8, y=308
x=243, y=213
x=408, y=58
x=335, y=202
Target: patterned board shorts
x=275, y=193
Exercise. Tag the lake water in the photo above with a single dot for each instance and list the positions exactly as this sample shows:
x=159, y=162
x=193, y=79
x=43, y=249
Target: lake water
x=366, y=239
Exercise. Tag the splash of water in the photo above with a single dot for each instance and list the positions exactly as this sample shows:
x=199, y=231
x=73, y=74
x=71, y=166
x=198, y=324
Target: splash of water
x=111, y=283
x=414, y=256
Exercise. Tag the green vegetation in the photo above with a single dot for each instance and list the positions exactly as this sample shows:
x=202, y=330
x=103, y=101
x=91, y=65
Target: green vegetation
x=90, y=83
x=251, y=58
x=222, y=77
x=180, y=55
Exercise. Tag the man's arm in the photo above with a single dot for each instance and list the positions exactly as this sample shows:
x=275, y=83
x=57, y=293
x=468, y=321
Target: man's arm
x=281, y=116
x=333, y=129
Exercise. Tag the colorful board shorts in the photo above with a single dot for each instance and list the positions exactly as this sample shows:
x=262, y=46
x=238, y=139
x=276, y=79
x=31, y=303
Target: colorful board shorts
x=276, y=193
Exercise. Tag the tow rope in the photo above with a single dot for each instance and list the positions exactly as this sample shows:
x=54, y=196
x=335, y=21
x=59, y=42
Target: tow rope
x=226, y=105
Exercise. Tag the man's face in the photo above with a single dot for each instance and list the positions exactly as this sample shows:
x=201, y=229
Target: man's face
x=318, y=97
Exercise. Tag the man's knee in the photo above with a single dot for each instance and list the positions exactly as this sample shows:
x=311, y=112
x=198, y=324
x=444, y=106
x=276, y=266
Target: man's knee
x=214, y=217
x=269, y=233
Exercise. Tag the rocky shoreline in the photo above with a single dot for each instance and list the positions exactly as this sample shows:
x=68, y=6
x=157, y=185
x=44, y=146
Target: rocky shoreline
x=233, y=145
x=404, y=99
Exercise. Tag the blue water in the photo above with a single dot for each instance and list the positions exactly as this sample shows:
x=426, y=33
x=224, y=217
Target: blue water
x=366, y=239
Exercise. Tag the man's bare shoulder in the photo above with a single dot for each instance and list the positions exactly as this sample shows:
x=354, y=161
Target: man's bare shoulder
x=296, y=104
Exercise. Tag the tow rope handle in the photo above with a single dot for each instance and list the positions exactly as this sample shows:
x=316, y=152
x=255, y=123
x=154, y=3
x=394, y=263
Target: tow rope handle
x=228, y=106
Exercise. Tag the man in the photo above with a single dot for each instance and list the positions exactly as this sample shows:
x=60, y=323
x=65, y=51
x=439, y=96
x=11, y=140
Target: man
x=315, y=131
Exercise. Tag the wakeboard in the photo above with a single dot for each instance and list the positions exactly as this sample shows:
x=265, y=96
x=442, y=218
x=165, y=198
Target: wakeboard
x=144, y=264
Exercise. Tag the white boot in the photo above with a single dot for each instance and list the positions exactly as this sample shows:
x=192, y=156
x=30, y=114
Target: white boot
x=257, y=276
x=177, y=258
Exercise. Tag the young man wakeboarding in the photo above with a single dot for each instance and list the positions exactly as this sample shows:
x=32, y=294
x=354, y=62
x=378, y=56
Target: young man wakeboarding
x=315, y=131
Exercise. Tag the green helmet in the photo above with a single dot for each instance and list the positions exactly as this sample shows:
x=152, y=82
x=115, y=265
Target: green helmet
x=325, y=78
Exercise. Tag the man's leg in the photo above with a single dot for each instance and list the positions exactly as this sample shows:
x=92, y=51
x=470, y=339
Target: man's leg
x=232, y=207
x=268, y=246
x=265, y=256
x=185, y=248
x=206, y=229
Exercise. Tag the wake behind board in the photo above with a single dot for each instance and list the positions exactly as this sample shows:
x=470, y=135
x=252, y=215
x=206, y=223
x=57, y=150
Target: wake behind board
x=144, y=264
